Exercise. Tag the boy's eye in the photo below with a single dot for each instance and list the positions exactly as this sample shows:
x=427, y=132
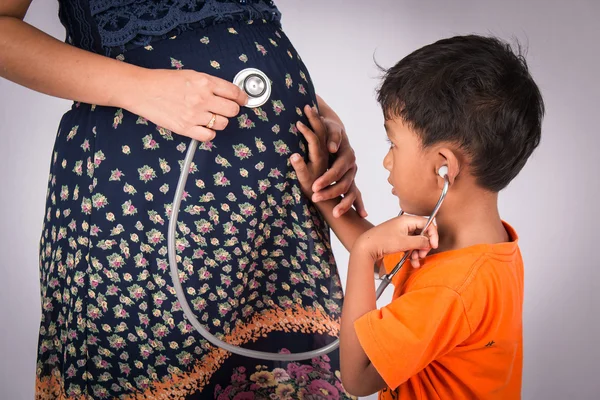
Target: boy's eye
x=390, y=142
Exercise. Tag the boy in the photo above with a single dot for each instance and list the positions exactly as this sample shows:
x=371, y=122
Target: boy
x=454, y=327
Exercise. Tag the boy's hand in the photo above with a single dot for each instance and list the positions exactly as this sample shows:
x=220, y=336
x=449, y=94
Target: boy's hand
x=398, y=235
x=339, y=179
x=317, y=153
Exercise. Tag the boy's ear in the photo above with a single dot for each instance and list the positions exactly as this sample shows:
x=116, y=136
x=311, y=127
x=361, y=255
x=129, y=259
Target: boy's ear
x=448, y=157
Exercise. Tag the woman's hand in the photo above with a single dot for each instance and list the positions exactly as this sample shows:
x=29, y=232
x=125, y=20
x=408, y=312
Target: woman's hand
x=184, y=101
x=397, y=235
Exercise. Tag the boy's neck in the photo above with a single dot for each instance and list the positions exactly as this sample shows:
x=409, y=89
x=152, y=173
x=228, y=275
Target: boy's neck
x=468, y=222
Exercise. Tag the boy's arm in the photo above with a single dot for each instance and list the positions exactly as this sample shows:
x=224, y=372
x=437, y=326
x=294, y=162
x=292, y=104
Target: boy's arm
x=347, y=227
x=358, y=374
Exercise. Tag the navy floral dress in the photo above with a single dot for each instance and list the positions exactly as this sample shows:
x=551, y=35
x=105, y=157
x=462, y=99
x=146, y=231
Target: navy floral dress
x=254, y=254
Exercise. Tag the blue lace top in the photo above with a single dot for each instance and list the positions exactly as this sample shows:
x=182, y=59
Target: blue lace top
x=106, y=26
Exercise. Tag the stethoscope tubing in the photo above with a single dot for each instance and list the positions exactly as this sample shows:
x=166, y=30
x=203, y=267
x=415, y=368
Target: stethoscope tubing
x=173, y=264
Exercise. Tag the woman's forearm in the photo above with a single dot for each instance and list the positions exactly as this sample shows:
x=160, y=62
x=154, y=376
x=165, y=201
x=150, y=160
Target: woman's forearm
x=36, y=60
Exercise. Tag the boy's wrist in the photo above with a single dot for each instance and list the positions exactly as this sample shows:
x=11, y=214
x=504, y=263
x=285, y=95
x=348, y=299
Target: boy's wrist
x=366, y=247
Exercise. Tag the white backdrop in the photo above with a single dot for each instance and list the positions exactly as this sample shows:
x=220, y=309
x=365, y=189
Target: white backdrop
x=552, y=204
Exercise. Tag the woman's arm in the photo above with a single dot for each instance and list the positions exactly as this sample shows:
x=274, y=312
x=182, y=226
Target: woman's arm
x=181, y=101
x=38, y=61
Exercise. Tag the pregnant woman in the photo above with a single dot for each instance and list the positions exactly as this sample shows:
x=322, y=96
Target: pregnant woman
x=254, y=255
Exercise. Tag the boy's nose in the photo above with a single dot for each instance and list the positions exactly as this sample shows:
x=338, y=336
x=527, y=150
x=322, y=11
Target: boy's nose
x=387, y=162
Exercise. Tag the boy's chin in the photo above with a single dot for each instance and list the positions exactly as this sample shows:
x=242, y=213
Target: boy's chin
x=408, y=209
x=404, y=207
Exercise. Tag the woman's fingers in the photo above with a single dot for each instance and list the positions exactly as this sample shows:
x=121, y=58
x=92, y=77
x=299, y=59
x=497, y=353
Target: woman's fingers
x=200, y=133
x=344, y=205
x=344, y=162
x=219, y=124
x=335, y=133
x=359, y=203
x=341, y=187
x=228, y=90
x=221, y=106
x=352, y=197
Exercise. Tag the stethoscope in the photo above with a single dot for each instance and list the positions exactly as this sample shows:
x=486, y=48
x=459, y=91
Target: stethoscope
x=258, y=87
x=387, y=278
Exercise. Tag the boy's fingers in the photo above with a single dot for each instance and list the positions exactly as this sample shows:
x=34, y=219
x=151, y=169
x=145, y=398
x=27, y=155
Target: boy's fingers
x=314, y=149
x=433, y=235
x=431, y=232
x=414, y=223
x=417, y=243
x=315, y=122
x=300, y=167
x=414, y=260
x=411, y=223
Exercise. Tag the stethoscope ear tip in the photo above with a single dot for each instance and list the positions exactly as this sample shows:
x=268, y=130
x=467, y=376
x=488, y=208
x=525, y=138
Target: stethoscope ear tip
x=443, y=171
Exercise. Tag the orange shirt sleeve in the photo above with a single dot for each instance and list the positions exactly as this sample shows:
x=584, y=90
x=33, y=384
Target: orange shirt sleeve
x=416, y=328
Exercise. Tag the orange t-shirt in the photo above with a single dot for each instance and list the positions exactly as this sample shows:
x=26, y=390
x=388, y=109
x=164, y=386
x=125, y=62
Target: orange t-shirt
x=454, y=327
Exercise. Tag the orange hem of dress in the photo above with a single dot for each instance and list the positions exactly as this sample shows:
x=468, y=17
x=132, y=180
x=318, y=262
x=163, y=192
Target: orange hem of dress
x=182, y=384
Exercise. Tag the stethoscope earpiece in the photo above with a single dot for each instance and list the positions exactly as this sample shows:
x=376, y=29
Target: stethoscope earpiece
x=387, y=278
x=443, y=171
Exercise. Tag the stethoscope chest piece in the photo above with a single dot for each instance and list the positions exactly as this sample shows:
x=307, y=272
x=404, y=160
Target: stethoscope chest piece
x=256, y=84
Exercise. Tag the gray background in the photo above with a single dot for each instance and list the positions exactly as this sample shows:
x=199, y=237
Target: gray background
x=552, y=204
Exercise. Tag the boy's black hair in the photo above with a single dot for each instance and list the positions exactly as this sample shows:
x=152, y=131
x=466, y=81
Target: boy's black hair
x=475, y=92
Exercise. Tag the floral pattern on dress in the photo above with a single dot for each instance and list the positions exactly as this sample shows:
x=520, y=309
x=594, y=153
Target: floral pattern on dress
x=254, y=255
x=302, y=381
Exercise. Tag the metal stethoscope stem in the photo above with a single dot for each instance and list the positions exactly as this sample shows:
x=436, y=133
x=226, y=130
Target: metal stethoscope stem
x=387, y=278
x=183, y=300
x=258, y=87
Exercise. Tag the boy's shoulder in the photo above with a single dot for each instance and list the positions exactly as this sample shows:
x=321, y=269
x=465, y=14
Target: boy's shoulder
x=470, y=269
